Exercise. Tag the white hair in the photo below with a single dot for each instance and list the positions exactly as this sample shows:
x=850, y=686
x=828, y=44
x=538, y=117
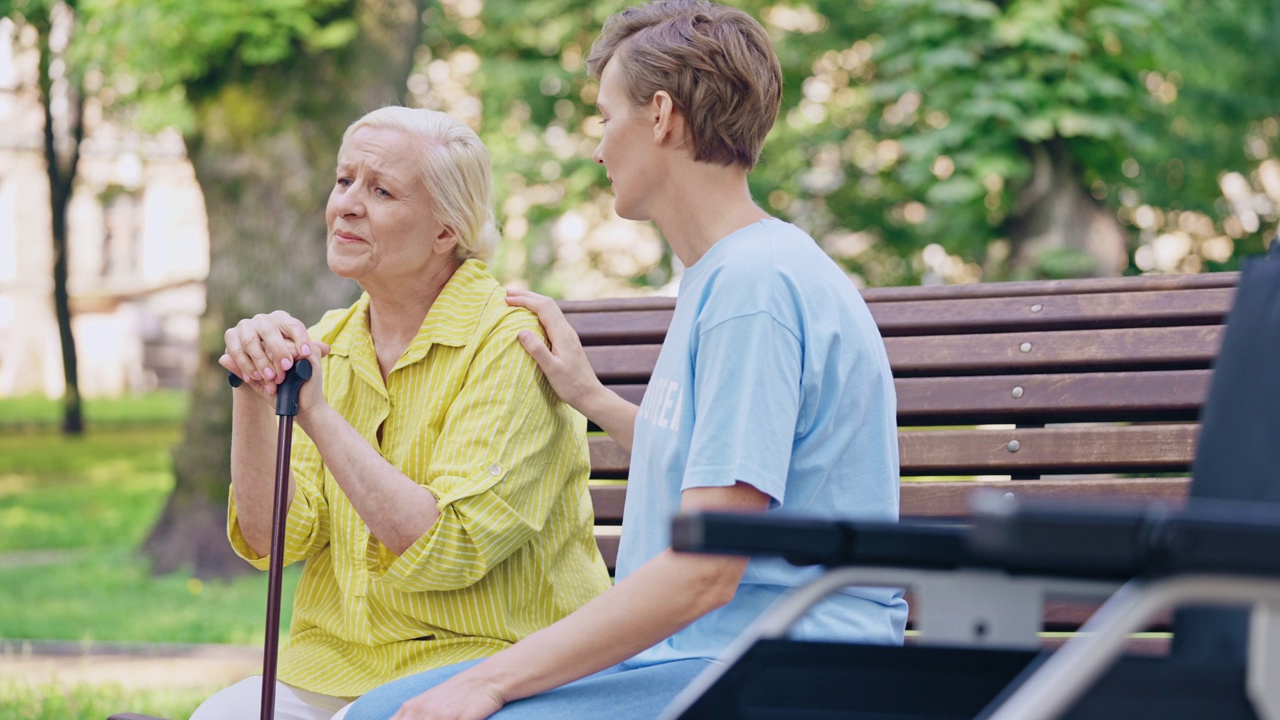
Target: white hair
x=455, y=172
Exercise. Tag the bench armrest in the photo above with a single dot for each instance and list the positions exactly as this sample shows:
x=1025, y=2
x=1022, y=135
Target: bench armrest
x=804, y=541
x=1206, y=536
x=1040, y=538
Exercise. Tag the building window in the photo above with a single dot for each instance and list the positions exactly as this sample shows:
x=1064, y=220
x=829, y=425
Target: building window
x=121, y=236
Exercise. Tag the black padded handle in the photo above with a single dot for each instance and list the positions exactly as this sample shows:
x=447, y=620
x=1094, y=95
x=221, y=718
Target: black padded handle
x=287, y=391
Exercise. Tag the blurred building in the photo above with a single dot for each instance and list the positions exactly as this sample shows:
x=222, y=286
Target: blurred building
x=138, y=246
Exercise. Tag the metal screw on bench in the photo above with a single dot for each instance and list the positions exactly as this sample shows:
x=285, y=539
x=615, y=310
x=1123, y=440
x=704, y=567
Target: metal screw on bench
x=286, y=409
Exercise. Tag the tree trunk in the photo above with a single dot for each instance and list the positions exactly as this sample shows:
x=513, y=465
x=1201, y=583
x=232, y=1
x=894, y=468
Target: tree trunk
x=61, y=169
x=264, y=151
x=1057, y=229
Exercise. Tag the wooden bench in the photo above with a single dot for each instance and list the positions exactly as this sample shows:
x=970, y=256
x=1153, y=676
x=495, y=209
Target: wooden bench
x=1071, y=389
x=1068, y=389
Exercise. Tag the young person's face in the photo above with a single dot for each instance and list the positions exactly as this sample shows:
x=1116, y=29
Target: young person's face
x=627, y=150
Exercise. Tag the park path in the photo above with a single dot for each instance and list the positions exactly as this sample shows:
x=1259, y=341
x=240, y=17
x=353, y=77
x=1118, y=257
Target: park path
x=131, y=666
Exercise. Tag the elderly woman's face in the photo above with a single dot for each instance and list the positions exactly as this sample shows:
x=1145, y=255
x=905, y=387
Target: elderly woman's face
x=381, y=225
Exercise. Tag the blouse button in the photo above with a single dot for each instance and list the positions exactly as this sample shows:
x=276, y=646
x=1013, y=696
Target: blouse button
x=495, y=469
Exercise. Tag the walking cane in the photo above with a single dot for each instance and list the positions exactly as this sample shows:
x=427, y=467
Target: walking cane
x=286, y=409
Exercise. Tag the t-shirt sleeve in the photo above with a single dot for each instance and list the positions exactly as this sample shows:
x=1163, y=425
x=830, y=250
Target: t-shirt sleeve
x=746, y=395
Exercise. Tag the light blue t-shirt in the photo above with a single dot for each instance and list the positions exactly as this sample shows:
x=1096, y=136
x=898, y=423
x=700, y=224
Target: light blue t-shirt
x=773, y=374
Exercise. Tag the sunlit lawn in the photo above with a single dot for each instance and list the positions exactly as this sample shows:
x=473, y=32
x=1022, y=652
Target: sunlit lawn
x=72, y=513
x=84, y=702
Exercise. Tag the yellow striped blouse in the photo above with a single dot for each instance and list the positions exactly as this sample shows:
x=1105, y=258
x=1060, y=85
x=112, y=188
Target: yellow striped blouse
x=466, y=413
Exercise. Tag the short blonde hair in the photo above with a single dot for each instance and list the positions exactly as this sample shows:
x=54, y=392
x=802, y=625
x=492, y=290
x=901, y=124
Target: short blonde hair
x=716, y=62
x=455, y=171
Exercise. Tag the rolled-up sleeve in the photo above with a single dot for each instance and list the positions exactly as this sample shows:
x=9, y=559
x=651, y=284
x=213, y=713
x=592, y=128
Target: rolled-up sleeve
x=307, y=528
x=500, y=436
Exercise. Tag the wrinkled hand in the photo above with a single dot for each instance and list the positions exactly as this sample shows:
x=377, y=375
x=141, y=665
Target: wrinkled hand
x=261, y=349
x=454, y=699
x=564, y=363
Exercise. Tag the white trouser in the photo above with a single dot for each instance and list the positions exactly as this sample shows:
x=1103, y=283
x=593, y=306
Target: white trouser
x=243, y=701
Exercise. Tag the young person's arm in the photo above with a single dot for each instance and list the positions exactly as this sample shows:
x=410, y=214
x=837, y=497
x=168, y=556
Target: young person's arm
x=565, y=364
x=657, y=600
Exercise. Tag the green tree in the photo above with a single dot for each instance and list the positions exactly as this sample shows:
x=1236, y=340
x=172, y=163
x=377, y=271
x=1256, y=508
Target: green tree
x=54, y=23
x=1024, y=138
x=937, y=141
x=1217, y=83
x=267, y=89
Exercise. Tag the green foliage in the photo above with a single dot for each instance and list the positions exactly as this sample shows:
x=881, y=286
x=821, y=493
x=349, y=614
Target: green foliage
x=906, y=123
x=182, y=42
x=537, y=104
x=959, y=90
x=1217, y=83
x=33, y=11
x=151, y=58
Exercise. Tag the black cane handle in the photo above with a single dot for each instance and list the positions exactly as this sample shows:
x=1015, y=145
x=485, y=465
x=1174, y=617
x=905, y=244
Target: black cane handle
x=287, y=391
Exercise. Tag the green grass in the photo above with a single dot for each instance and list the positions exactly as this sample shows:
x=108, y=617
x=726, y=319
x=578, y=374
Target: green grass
x=103, y=489
x=36, y=412
x=108, y=595
x=72, y=513
x=91, y=702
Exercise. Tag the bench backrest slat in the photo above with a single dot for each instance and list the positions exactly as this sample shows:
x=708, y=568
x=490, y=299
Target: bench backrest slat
x=1067, y=312
x=1168, y=395
x=951, y=499
x=1163, y=308
x=1075, y=286
x=1054, y=450
x=1059, y=351
x=1164, y=395
x=1041, y=451
x=990, y=353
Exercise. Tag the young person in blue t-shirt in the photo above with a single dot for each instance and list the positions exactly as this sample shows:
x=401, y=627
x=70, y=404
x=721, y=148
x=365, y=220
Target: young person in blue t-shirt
x=772, y=392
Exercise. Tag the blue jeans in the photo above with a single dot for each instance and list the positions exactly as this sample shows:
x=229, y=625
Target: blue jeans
x=621, y=692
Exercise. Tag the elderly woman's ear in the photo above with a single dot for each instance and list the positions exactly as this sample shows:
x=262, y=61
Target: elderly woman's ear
x=446, y=241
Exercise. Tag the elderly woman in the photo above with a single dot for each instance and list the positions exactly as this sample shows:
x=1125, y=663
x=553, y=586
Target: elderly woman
x=439, y=492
